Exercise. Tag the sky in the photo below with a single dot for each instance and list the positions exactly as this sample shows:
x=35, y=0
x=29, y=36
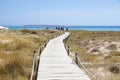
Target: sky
x=60, y=12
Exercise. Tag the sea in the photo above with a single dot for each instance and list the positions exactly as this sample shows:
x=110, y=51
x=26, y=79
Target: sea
x=52, y=27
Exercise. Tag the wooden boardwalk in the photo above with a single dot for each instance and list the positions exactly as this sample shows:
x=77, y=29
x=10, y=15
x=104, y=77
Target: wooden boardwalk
x=55, y=64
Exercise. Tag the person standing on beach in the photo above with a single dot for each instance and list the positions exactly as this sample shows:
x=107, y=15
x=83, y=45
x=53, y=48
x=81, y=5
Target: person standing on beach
x=66, y=29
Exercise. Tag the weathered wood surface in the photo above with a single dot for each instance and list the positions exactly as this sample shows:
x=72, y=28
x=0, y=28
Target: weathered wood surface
x=55, y=64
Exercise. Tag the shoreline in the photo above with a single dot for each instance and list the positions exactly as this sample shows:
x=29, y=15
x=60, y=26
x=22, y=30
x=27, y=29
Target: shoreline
x=52, y=27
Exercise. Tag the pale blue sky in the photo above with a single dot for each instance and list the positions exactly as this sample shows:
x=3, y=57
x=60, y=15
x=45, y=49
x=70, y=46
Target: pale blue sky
x=60, y=12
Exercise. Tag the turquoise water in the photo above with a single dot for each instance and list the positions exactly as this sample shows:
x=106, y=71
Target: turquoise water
x=90, y=28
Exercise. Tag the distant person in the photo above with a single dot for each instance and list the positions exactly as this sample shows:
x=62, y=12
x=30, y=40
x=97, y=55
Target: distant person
x=47, y=28
x=66, y=29
x=56, y=28
x=62, y=28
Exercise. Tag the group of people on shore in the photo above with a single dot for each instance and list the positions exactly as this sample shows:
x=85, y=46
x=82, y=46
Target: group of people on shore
x=59, y=28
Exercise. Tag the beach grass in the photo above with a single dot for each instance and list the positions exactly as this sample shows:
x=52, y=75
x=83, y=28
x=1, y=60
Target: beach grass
x=98, y=64
x=16, y=52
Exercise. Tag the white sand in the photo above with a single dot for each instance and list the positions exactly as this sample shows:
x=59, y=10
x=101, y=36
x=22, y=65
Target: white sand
x=2, y=27
x=103, y=47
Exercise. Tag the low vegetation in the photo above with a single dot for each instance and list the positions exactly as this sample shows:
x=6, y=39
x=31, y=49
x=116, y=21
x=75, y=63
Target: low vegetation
x=99, y=51
x=16, y=51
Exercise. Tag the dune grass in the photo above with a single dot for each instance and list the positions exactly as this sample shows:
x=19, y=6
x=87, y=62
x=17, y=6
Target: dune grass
x=96, y=64
x=16, y=52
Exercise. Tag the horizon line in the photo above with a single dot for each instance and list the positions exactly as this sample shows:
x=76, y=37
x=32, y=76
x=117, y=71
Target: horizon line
x=56, y=25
